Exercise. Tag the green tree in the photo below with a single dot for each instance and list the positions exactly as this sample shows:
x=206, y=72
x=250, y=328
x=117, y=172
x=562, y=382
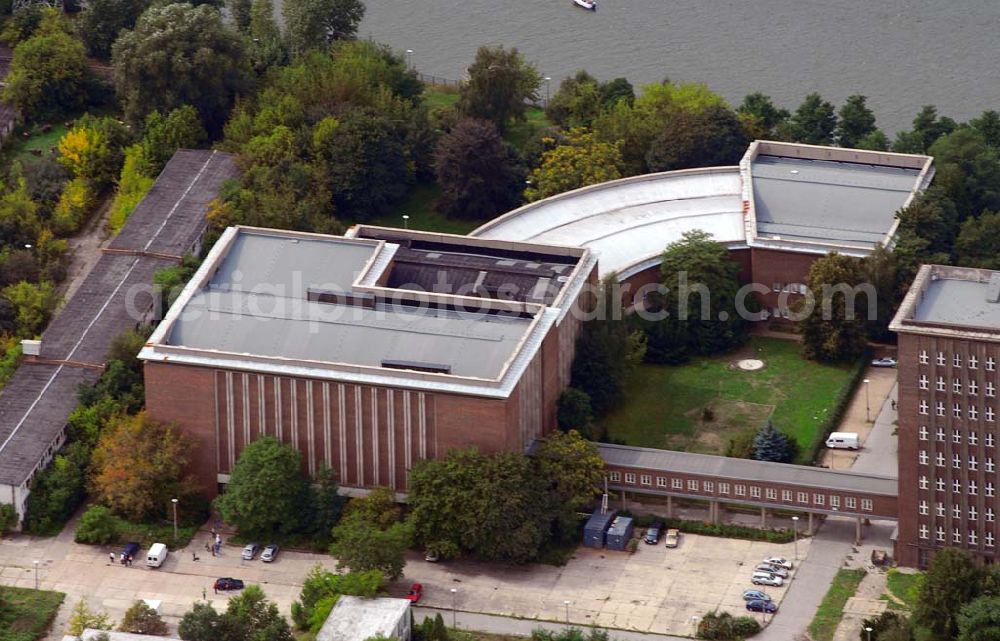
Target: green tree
x=327, y=503
x=179, y=55
x=34, y=302
x=142, y=619
x=834, y=330
x=706, y=138
x=164, y=135
x=266, y=489
x=480, y=175
x=927, y=128
x=323, y=585
x=103, y=20
x=97, y=525
x=952, y=581
x=978, y=243
x=855, y=122
x=888, y=626
x=760, y=117
x=258, y=617
x=578, y=161
x=881, y=269
x=240, y=11
x=814, y=122
x=267, y=48
x=576, y=103
x=573, y=472
x=980, y=620
x=874, y=141
x=362, y=545
x=314, y=24
x=93, y=150
x=968, y=171
x=82, y=617
x=48, y=73
x=8, y=518
x=575, y=412
x=202, y=623
x=927, y=231
x=500, y=82
x=988, y=126
x=771, y=445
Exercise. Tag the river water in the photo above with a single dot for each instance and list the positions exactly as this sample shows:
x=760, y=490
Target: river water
x=900, y=53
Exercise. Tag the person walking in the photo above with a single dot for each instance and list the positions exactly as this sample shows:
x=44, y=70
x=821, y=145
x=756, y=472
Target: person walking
x=204, y=597
x=111, y=558
x=121, y=558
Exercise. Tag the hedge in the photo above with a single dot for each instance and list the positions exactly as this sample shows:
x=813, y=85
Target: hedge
x=839, y=408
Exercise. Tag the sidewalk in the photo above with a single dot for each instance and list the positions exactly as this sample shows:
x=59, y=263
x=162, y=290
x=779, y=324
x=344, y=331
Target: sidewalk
x=868, y=400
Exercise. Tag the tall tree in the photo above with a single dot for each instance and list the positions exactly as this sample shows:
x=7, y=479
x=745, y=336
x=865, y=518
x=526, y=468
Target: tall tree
x=834, y=330
x=267, y=48
x=706, y=138
x=164, y=135
x=988, y=126
x=855, y=122
x=499, y=85
x=951, y=581
x=771, y=445
x=176, y=55
x=573, y=471
x=102, y=21
x=927, y=128
x=579, y=160
x=315, y=24
x=577, y=102
x=266, y=489
x=240, y=10
x=968, y=171
x=480, y=175
x=142, y=619
x=371, y=537
x=814, y=121
x=760, y=116
x=881, y=269
x=82, y=617
x=927, y=231
x=575, y=412
x=257, y=616
x=980, y=620
x=978, y=243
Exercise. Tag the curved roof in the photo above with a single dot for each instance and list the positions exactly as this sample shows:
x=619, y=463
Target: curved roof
x=628, y=222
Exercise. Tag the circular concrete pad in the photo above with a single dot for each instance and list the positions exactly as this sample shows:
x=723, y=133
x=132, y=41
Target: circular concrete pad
x=750, y=364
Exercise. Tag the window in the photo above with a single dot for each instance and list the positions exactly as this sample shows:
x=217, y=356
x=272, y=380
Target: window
x=991, y=389
x=723, y=488
x=990, y=416
x=922, y=457
x=989, y=515
x=850, y=502
x=940, y=358
x=956, y=410
x=786, y=495
x=956, y=512
x=973, y=463
x=957, y=360
x=988, y=539
x=646, y=479
x=923, y=531
x=939, y=508
x=708, y=486
x=677, y=484
x=973, y=438
x=973, y=388
x=956, y=436
x=956, y=486
x=988, y=488
x=973, y=488
x=819, y=499
x=834, y=501
x=630, y=477
x=614, y=476
x=923, y=508
x=973, y=362
x=972, y=537
x=939, y=385
x=973, y=413
x=990, y=364
x=741, y=490
x=940, y=484
x=956, y=461
x=922, y=381
x=923, y=357
x=866, y=505
x=923, y=407
x=939, y=435
x=923, y=432
x=973, y=513
x=939, y=533
x=956, y=386
x=771, y=493
x=692, y=485
x=988, y=464
x=956, y=536
x=923, y=482
x=803, y=497
x=940, y=408
x=754, y=491
x=989, y=435
x=661, y=481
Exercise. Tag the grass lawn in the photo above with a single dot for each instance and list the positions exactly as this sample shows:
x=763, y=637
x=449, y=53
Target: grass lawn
x=419, y=206
x=146, y=534
x=518, y=134
x=831, y=610
x=904, y=587
x=27, y=614
x=22, y=147
x=437, y=96
x=663, y=405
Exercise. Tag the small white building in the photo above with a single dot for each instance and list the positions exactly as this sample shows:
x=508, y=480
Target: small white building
x=357, y=619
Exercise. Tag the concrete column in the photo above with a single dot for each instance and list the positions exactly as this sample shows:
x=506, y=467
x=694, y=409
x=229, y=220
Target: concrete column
x=857, y=532
x=763, y=518
x=715, y=511
x=670, y=507
x=624, y=503
x=809, y=526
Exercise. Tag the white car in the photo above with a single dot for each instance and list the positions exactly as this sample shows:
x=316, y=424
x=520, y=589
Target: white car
x=773, y=569
x=781, y=562
x=766, y=578
x=884, y=362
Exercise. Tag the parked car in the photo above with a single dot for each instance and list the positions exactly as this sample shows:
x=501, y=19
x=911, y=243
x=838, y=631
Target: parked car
x=431, y=557
x=653, y=533
x=131, y=549
x=228, y=583
x=416, y=591
x=773, y=569
x=156, y=555
x=270, y=552
x=755, y=595
x=779, y=561
x=843, y=441
x=767, y=578
x=250, y=551
x=673, y=538
x=884, y=362
x=762, y=606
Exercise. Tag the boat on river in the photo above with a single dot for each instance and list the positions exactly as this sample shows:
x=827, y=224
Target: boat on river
x=589, y=5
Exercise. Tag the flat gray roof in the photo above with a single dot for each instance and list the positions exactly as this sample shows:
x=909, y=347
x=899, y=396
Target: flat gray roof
x=958, y=302
x=357, y=619
x=746, y=469
x=828, y=201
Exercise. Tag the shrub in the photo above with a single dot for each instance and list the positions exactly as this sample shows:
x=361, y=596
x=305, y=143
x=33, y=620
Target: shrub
x=71, y=210
x=133, y=184
x=745, y=627
x=742, y=444
x=97, y=526
x=8, y=518
x=575, y=412
x=725, y=530
x=632, y=546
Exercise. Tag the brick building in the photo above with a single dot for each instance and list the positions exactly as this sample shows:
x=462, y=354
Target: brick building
x=366, y=353
x=949, y=348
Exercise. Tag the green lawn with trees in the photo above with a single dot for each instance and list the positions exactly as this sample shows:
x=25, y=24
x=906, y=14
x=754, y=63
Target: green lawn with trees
x=831, y=608
x=664, y=406
x=25, y=614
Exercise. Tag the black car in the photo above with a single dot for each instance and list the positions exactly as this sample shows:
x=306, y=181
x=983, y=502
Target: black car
x=762, y=606
x=653, y=533
x=227, y=583
x=131, y=549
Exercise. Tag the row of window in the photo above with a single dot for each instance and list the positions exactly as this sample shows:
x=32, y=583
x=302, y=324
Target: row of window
x=971, y=464
x=940, y=385
x=972, y=537
x=972, y=489
x=770, y=493
x=956, y=436
x=956, y=360
x=956, y=511
x=793, y=288
x=923, y=408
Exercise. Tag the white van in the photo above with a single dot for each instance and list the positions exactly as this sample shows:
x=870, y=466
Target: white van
x=157, y=555
x=843, y=441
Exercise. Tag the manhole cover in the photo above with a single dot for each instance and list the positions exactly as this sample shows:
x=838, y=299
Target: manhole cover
x=750, y=364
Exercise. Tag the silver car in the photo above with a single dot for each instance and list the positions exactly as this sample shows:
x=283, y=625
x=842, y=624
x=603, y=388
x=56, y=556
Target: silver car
x=250, y=551
x=270, y=553
x=766, y=578
x=773, y=569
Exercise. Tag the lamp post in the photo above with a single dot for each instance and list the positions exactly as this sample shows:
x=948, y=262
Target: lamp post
x=409, y=58
x=868, y=407
x=547, y=81
x=454, y=597
x=868, y=629
x=27, y=245
x=566, y=603
x=174, y=501
x=406, y=221
x=694, y=625
x=795, y=536
x=35, y=563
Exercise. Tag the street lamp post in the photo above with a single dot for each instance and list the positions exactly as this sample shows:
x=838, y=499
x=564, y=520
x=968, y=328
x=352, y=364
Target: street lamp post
x=868, y=629
x=35, y=563
x=566, y=603
x=174, y=501
x=694, y=625
x=868, y=407
x=406, y=221
x=547, y=81
x=795, y=536
x=454, y=597
x=409, y=58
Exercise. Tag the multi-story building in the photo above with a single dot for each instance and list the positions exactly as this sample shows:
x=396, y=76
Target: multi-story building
x=949, y=350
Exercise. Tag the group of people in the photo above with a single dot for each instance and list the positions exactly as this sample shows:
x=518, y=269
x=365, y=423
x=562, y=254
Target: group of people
x=124, y=560
x=215, y=544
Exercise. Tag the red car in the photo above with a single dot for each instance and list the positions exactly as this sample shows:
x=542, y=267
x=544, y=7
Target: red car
x=416, y=591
